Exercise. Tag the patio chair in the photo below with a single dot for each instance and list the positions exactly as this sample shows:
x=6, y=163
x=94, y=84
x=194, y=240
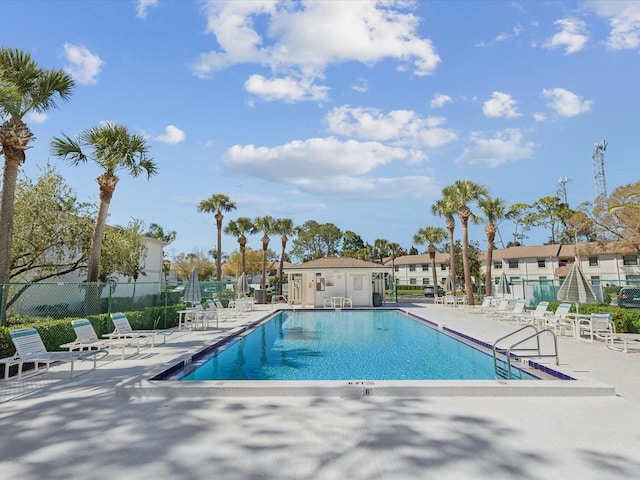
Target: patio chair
x=31, y=349
x=347, y=302
x=123, y=330
x=559, y=320
x=223, y=313
x=87, y=339
x=533, y=317
x=486, y=304
x=598, y=325
x=205, y=315
x=502, y=307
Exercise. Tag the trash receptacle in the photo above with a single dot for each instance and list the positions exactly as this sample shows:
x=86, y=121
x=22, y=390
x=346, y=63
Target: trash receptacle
x=377, y=300
x=260, y=296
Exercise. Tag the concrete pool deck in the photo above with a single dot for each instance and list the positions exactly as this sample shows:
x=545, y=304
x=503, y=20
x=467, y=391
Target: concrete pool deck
x=53, y=427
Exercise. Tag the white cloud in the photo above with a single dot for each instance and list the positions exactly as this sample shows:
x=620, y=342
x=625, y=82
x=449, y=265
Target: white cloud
x=500, y=105
x=439, y=100
x=360, y=85
x=565, y=103
x=624, y=19
x=515, y=32
x=171, y=136
x=327, y=167
x=302, y=39
x=143, y=7
x=400, y=127
x=571, y=36
x=506, y=146
x=287, y=89
x=539, y=117
x=37, y=117
x=84, y=66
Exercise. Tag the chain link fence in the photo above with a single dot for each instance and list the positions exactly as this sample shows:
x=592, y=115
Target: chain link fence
x=50, y=307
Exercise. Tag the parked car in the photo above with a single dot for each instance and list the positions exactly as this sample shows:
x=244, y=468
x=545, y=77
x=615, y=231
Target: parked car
x=428, y=291
x=629, y=297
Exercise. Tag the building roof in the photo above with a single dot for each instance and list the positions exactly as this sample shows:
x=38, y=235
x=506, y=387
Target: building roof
x=537, y=251
x=415, y=259
x=592, y=248
x=333, y=263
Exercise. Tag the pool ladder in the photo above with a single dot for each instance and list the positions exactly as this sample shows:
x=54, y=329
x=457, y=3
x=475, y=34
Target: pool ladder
x=506, y=372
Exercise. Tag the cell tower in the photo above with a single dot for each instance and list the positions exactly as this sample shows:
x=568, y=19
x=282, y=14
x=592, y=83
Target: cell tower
x=561, y=193
x=598, y=169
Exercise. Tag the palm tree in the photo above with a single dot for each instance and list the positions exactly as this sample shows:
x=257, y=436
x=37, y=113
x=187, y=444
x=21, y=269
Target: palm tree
x=283, y=227
x=216, y=204
x=265, y=225
x=432, y=236
x=113, y=149
x=381, y=247
x=494, y=210
x=445, y=208
x=24, y=88
x=156, y=231
x=394, y=249
x=460, y=195
x=239, y=228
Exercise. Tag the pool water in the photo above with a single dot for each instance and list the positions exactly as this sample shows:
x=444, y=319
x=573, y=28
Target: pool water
x=346, y=345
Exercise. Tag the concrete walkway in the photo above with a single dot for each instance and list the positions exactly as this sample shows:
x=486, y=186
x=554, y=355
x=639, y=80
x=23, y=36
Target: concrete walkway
x=60, y=428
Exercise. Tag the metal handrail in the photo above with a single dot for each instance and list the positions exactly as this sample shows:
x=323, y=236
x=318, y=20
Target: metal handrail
x=512, y=348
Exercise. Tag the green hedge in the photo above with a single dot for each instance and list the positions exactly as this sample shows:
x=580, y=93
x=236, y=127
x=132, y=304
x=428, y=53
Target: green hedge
x=58, y=332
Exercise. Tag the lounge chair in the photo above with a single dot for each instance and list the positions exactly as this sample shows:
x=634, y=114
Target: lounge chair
x=31, y=349
x=486, y=304
x=598, y=325
x=536, y=316
x=223, y=313
x=347, y=302
x=501, y=308
x=559, y=320
x=87, y=339
x=123, y=330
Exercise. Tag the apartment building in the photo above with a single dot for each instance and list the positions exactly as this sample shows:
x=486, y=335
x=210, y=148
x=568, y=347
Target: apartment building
x=416, y=269
x=601, y=263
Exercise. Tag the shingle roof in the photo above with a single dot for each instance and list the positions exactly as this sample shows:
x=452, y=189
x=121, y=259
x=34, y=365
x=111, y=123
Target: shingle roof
x=343, y=262
x=416, y=259
x=538, y=251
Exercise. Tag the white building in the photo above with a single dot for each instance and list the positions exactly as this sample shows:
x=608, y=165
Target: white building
x=416, y=269
x=317, y=281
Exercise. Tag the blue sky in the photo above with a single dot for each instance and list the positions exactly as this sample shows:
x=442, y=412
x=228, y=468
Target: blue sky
x=350, y=112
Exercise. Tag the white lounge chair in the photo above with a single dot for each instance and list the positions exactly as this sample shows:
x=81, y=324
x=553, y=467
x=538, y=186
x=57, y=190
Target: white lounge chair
x=123, y=330
x=347, y=302
x=501, y=308
x=598, y=325
x=486, y=304
x=87, y=339
x=31, y=349
x=535, y=317
x=559, y=320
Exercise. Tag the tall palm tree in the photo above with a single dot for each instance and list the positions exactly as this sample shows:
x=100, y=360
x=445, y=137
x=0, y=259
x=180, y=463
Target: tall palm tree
x=394, y=250
x=461, y=194
x=216, y=204
x=283, y=227
x=114, y=149
x=24, y=88
x=432, y=236
x=239, y=229
x=494, y=210
x=266, y=226
x=381, y=247
x=444, y=207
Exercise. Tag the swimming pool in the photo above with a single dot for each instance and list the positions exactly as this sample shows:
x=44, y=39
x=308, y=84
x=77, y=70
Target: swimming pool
x=345, y=345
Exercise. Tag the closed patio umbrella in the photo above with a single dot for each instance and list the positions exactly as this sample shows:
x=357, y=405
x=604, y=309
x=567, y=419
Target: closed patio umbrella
x=576, y=288
x=242, y=287
x=192, y=292
x=503, y=287
x=449, y=286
